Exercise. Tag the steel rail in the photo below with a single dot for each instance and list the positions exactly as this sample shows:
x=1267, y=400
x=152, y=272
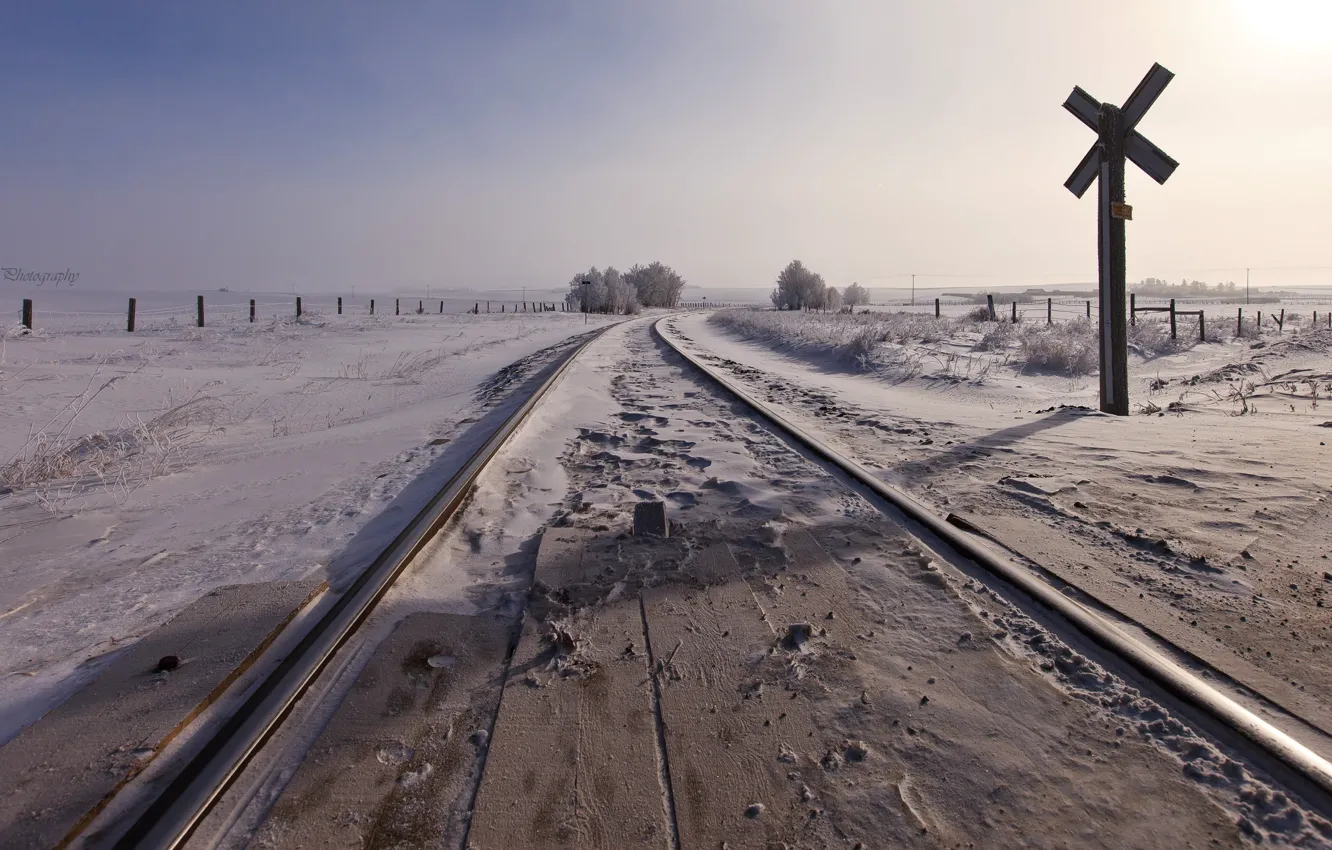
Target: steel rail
x=1161, y=671
x=178, y=810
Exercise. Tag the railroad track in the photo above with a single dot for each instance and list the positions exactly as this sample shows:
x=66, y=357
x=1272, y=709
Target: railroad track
x=1307, y=772
x=173, y=816
x=176, y=812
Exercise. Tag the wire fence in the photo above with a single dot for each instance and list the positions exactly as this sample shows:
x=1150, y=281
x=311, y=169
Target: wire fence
x=162, y=313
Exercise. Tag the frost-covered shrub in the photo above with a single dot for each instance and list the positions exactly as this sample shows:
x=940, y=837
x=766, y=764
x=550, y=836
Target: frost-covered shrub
x=1066, y=348
x=1151, y=339
x=999, y=336
x=853, y=339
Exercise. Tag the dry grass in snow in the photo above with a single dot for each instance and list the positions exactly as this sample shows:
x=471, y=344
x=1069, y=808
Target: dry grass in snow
x=58, y=462
x=898, y=343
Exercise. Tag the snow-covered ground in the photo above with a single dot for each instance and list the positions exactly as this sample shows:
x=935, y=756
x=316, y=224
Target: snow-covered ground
x=1208, y=524
x=291, y=448
x=982, y=726
x=138, y=471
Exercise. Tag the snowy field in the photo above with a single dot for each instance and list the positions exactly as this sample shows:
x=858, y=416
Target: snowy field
x=139, y=471
x=1204, y=516
x=965, y=348
x=142, y=470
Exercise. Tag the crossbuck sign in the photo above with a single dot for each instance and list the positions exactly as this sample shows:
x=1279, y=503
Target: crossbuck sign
x=1116, y=140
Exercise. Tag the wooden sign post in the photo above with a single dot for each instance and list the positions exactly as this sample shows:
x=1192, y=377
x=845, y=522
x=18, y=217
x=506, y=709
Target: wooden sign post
x=1116, y=139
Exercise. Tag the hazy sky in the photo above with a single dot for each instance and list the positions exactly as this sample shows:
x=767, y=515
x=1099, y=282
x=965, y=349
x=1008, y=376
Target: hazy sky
x=176, y=145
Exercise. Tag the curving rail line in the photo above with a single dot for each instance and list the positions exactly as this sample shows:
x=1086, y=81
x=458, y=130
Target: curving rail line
x=1310, y=770
x=178, y=810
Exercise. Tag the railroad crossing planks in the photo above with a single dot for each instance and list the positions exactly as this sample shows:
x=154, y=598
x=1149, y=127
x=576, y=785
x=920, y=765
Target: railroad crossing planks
x=398, y=764
x=732, y=741
x=573, y=760
x=60, y=771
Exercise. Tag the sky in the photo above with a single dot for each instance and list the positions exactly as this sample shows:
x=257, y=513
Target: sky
x=322, y=144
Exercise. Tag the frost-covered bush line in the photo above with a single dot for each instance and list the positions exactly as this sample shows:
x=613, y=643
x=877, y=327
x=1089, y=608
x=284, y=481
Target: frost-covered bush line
x=859, y=340
x=883, y=341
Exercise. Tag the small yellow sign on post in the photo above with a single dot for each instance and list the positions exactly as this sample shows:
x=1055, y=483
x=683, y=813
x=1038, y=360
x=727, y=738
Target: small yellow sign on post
x=1124, y=211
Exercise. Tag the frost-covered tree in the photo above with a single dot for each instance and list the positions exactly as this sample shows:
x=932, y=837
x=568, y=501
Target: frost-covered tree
x=594, y=299
x=657, y=284
x=832, y=299
x=607, y=292
x=621, y=297
x=855, y=295
x=798, y=288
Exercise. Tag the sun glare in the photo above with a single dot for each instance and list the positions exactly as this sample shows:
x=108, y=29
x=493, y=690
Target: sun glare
x=1289, y=23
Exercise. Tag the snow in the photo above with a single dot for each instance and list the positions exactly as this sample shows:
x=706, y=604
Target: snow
x=308, y=443
x=1208, y=525
x=231, y=453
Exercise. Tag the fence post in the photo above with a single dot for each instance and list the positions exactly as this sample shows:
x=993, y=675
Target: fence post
x=989, y=302
x=936, y=308
x=1172, y=318
x=200, y=309
x=1239, y=323
x=129, y=325
x=1049, y=311
x=339, y=305
x=420, y=306
x=1089, y=309
x=251, y=311
x=477, y=308
x=441, y=308
x=372, y=306
x=502, y=307
x=1202, y=329
x=397, y=306
x=298, y=306
x=1281, y=322
x=1015, y=313
x=487, y=306
x=27, y=313
x=1259, y=324
x=1133, y=309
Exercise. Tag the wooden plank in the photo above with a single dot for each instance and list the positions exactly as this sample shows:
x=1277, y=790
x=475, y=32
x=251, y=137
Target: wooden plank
x=620, y=800
x=814, y=590
x=712, y=653
x=399, y=762
x=60, y=771
x=526, y=798
x=573, y=761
